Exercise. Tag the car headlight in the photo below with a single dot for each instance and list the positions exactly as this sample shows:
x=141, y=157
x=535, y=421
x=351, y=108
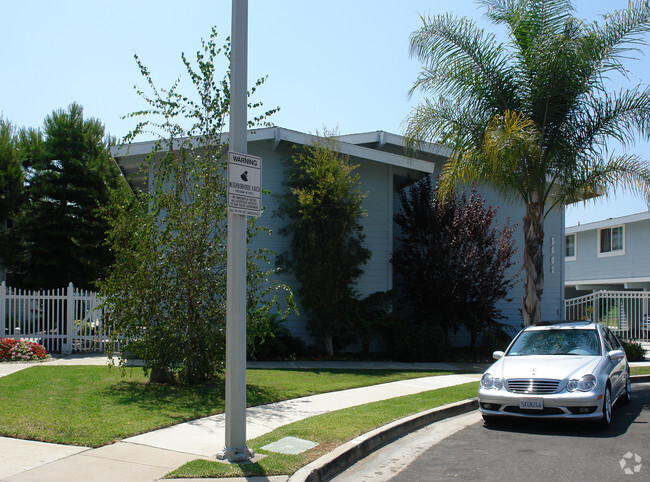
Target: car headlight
x=585, y=384
x=488, y=382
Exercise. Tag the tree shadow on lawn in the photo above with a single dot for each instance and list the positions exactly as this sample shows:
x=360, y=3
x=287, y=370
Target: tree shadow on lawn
x=183, y=402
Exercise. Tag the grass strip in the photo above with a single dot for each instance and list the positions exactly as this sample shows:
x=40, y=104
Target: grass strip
x=639, y=370
x=94, y=405
x=329, y=430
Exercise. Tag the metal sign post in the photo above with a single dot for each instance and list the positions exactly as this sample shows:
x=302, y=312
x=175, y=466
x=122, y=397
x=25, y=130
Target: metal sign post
x=236, y=449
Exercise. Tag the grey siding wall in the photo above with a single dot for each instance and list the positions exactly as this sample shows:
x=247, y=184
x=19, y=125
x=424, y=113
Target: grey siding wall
x=634, y=263
x=273, y=167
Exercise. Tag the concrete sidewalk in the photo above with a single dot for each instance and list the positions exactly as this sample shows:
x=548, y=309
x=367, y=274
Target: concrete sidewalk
x=150, y=456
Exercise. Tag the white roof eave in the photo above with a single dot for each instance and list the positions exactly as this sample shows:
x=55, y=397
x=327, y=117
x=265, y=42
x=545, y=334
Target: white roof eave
x=277, y=134
x=605, y=223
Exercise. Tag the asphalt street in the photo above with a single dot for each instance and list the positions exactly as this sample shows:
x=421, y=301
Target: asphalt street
x=465, y=449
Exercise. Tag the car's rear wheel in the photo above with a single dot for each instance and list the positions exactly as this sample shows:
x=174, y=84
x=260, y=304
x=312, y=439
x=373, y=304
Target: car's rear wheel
x=606, y=421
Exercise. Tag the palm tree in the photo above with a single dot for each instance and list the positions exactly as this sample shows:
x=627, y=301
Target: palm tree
x=533, y=117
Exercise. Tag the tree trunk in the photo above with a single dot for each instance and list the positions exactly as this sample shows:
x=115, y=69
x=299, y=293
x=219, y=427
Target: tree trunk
x=533, y=261
x=473, y=334
x=329, y=345
x=161, y=375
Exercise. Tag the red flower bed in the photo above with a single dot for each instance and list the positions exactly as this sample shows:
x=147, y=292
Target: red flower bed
x=20, y=350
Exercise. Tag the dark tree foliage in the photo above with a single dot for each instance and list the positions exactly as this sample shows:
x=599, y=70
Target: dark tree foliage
x=70, y=177
x=11, y=193
x=323, y=207
x=11, y=172
x=451, y=262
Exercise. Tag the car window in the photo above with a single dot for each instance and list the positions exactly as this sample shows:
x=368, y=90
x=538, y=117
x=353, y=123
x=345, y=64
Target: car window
x=607, y=340
x=556, y=342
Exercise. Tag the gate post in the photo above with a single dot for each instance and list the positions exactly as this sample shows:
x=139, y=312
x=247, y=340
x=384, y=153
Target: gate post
x=69, y=320
x=3, y=309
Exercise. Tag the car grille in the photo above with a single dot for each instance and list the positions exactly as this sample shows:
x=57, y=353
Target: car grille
x=532, y=386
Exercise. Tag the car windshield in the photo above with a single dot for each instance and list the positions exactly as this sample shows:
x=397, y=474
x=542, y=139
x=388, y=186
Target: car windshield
x=556, y=342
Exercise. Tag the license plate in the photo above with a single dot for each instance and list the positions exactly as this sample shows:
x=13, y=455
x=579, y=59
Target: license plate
x=532, y=404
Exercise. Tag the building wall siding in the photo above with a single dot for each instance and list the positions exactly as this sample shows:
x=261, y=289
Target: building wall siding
x=634, y=263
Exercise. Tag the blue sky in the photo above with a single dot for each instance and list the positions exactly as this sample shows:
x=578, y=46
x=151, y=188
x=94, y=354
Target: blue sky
x=330, y=64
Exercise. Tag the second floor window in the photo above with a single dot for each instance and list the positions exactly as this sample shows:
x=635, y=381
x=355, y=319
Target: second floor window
x=611, y=240
x=570, y=246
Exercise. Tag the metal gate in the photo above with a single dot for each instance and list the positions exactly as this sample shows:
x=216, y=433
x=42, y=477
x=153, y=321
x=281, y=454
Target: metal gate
x=624, y=312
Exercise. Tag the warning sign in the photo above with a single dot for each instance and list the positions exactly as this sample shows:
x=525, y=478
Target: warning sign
x=244, y=184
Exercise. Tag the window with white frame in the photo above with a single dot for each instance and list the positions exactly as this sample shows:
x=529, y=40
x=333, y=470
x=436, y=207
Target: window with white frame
x=611, y=241
x=570, y=247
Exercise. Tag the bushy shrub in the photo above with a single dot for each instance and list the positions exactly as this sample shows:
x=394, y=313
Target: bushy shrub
x=270, y=339
x=633, y=350
x=452, y=262
x=21, y=350
x=411, y=342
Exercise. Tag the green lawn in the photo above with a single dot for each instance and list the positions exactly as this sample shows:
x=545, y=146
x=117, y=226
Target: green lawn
x=329, y=430
x=94, y=405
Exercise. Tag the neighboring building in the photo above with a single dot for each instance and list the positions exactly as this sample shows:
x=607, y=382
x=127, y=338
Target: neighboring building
x=608, y=274
x=385, y=169
x=613, y=255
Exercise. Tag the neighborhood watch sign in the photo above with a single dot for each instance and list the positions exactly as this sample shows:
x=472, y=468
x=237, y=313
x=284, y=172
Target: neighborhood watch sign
x=244, y=184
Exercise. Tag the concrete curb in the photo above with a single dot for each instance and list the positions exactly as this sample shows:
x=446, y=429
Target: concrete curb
x=349, y=453
x=640, y=378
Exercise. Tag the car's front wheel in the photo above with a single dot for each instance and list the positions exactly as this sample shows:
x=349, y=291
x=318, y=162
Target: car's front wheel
x=606, y=421
x=626, y=398
x=490, y=420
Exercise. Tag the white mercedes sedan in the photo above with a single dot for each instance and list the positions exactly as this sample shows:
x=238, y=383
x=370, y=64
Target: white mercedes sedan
x=570, y=370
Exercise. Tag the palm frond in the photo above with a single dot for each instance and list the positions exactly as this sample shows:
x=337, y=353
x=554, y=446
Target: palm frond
x=621, y=35
x=462, y=61
x=601, y=177
x=456, y=125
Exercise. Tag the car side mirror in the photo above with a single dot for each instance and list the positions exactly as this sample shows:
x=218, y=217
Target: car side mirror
x=497, y=354
x=616, y=354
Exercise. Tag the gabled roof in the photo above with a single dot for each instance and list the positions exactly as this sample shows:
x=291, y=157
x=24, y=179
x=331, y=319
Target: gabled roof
x=376, y=146
x=605, y=223
x=382, y=138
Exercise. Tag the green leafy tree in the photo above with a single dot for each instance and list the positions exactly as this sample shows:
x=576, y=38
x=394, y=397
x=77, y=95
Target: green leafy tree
x=533, y=117
x=452, y=262
x=70, y=178
x=323, y=207
x=166, y=292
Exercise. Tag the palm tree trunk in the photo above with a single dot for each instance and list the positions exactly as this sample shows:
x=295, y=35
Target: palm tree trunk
x=534, y=261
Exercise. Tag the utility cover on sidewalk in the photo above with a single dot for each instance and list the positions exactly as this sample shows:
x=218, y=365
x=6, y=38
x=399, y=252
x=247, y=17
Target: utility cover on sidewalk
x=290, y=445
